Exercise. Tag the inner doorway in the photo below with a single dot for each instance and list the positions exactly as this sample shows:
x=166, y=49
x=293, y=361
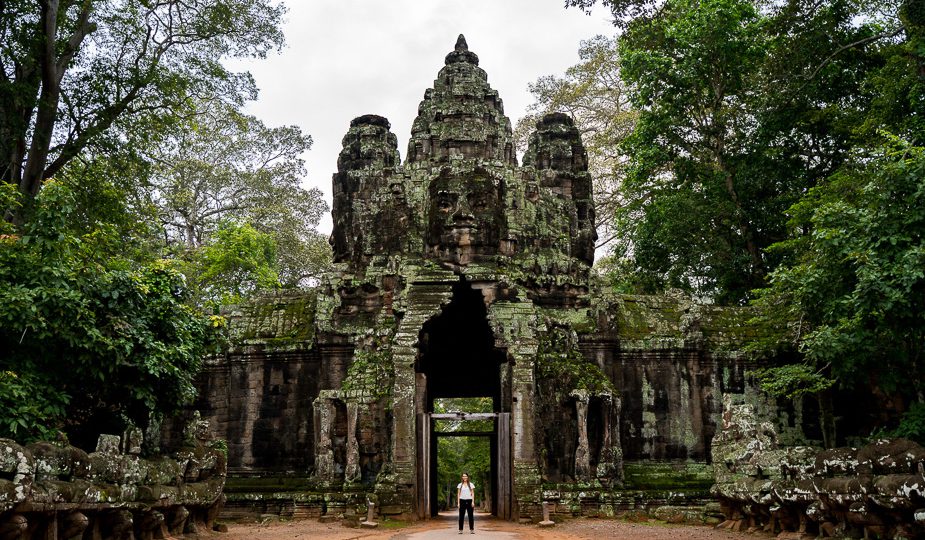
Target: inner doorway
x=465, y=440
x=457, y=358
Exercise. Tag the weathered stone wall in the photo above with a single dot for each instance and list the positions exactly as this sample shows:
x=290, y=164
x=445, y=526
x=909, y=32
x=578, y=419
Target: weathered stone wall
x=875, y=491
x=258, y=394
x=261, y=403
x=670, y=379
x=59, y=491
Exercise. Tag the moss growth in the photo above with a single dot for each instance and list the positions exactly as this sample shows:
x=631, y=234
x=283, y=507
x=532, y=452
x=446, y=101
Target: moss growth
x=372, y=372
x=268, y=484
x=221, y=445
x=579, y=320
x=393, y=524
x=731, y=327
x=277, y=321
x=668, y=476
x=561, y=365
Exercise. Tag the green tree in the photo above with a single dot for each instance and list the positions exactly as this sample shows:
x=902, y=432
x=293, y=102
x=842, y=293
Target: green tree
x=851, y=295
x=73, y=72
x=90, y=337
x=743, y=106
x=237, y=262
x=624, y=11
x=691, y=218
x=222, y=165
x=596, y=98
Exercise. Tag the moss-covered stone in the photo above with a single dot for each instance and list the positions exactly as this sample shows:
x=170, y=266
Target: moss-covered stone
x=330, y=390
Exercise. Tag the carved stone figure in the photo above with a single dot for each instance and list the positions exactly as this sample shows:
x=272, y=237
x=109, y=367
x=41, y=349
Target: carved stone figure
x=63, y=492
x=464, y=217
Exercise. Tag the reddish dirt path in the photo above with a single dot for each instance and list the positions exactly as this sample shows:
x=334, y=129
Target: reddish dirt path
x=486, y=527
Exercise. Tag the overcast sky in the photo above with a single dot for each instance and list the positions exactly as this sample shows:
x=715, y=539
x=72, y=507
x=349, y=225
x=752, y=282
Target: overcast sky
x=346, y=58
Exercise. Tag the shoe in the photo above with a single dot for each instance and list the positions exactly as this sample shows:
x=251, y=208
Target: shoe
x=471, y=531
x=460, y=532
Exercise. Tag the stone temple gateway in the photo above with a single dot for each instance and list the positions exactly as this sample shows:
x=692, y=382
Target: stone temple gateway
x=459, y=273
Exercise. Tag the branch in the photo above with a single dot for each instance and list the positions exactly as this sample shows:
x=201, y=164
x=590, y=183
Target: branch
x=84, y=27
x=843, y=48
x=605, y=241
x=222, y=209
x=108, y=114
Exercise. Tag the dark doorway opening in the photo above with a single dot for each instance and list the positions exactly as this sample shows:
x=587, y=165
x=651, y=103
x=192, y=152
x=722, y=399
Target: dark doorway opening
x=457, y=351
x=458, y=359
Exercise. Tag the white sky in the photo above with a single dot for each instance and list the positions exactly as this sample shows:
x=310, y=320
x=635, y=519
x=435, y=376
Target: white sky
x=346, y=58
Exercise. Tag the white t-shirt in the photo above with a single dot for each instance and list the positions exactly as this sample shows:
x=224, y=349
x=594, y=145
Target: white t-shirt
x=466, y=491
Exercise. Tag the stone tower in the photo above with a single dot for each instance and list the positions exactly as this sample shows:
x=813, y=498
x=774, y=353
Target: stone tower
x=459, y=273
x=460, y=201
x=457, y=230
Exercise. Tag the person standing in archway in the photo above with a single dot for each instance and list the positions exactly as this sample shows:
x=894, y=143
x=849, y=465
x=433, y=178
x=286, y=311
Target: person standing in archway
x=465, y=495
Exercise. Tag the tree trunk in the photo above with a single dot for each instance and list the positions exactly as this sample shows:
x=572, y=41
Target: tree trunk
x=47, y=105
x=827, y=418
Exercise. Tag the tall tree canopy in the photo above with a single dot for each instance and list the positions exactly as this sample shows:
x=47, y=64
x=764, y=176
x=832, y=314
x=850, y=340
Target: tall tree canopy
x=125, y=163
x=220, y=166
x=742, y=107
x=594, y=95
x=72, y=70
x=778, y=155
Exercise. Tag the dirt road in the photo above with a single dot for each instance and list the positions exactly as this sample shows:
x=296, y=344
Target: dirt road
x=485, y=527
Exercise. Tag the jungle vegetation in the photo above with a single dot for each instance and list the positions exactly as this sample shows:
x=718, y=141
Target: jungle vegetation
x=769, y=153
x=137, y=199
x=748, y=152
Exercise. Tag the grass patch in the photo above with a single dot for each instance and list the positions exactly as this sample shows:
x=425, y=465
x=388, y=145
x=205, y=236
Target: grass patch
x=393, y=524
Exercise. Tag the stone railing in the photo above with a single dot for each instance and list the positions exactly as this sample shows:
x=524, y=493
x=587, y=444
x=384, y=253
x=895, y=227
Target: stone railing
x=51, y=491
x=876, y=491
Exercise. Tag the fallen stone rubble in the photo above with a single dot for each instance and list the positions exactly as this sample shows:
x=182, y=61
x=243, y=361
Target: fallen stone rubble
x=876, y=491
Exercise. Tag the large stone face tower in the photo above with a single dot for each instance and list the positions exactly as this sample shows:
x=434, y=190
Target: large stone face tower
x=460, y=201
x=444, y=260
x=459, y=273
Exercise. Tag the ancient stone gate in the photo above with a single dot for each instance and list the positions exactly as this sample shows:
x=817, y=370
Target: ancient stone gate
x=460, y=273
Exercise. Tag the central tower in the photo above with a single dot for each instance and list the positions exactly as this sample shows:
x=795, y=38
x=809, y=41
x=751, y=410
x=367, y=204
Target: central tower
x=457, y=240
x=460, y=200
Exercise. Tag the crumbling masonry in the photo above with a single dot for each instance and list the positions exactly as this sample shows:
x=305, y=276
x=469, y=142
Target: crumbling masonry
x=460, y=273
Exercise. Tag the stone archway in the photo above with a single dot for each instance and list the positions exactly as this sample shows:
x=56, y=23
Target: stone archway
x=458, y=357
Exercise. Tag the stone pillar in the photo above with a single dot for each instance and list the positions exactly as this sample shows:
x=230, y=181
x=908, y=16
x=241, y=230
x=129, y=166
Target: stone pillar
x=324, y=426
x=421, y=301
x=352, y=471
x=582, y=453
x=522, y=412
x=513, y=324
x=610, y=463
x=546, y=521
x=370, y=522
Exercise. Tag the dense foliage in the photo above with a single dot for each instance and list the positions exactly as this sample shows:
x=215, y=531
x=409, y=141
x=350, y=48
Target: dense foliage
x=86, y=334
x=78, y=75
x=135, y=195
x=777, y=155
x=741, y=107
x=852, y=294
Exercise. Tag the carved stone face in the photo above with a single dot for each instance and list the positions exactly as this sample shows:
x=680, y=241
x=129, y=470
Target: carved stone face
x=464, y=216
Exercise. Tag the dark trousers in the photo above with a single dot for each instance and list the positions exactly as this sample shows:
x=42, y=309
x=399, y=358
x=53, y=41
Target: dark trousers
x=465, y=505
